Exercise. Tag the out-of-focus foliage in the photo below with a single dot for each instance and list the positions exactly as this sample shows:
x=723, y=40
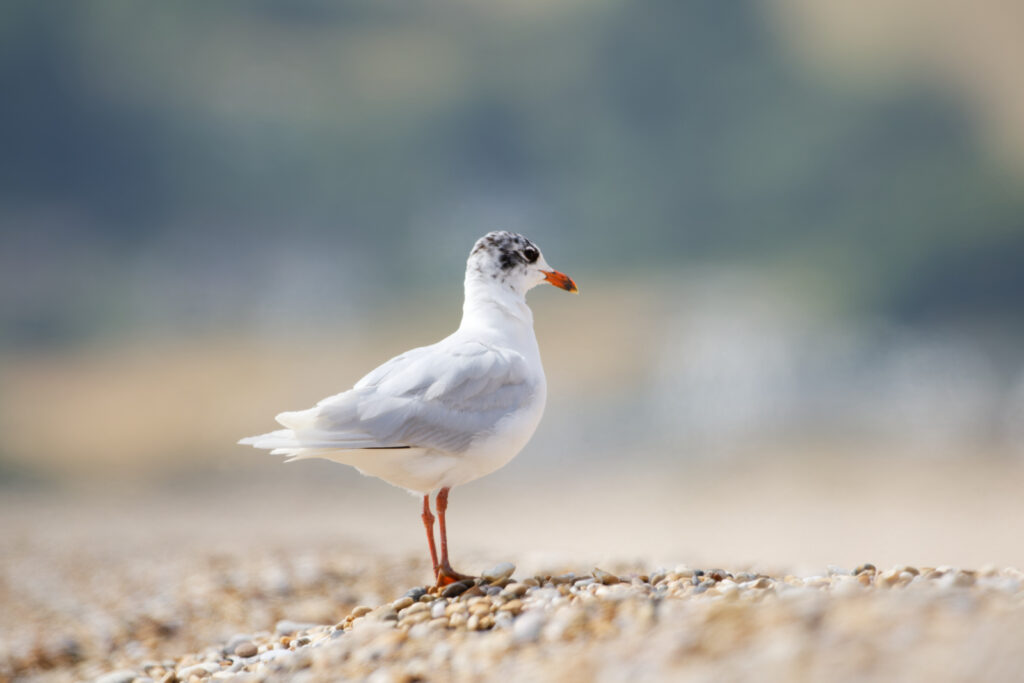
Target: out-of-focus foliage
x=161, y=159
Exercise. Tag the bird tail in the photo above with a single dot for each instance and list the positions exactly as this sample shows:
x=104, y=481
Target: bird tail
x=304, y=438
x=285, y=442
x=282, y=440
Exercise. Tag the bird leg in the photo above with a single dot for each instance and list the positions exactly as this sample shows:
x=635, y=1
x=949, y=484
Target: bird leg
x=428, y=524
x=445, y=575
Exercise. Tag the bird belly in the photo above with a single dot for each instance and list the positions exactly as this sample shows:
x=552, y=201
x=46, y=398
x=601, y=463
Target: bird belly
x=496, y=449
x=416, y=469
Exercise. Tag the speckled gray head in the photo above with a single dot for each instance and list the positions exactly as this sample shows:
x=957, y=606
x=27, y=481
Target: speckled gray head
x=513, y=261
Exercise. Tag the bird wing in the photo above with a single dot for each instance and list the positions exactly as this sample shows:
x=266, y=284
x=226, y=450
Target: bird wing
x=439, y=397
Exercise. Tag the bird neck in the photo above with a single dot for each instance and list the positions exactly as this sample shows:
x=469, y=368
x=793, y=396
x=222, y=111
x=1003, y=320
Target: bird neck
x=489, y=303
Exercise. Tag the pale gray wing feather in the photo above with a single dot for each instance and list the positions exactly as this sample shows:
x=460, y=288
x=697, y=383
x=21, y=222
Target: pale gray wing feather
x=439, y=397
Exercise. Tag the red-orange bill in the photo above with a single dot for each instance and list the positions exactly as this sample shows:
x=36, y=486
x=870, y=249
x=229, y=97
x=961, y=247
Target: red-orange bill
x=560, y=280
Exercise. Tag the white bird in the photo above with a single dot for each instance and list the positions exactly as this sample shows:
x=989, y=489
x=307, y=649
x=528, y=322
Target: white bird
x=442, y=415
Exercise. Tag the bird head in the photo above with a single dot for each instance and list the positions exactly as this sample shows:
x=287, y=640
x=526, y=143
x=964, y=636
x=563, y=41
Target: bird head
x=513, y=261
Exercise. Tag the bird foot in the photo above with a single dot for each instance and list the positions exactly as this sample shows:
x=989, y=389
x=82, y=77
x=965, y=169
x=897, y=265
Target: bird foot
x=447, y=576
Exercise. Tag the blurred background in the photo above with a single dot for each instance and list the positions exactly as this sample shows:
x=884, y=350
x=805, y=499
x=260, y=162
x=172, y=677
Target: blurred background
x=797, y=227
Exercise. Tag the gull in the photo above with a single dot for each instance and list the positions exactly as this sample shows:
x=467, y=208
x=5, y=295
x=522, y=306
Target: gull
x=442, y=415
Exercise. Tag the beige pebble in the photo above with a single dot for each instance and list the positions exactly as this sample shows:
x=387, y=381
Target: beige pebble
x=607, y=578
x=402, y=603
x=414, y=608
x=515, y=590
x=513, y=606
x=456, y=607
x=246, y=649
x=360, y=611
x=891, y=578
x=383, y=613
x=416, y=618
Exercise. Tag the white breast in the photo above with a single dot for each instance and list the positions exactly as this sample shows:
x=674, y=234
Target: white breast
x=494, y=451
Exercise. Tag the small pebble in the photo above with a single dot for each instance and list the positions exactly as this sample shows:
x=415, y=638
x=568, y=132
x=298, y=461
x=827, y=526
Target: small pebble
x=414, y=608
x=121, y=676
x=246, y=649
x=455, y=589
x=498, y=572
x=514, y=590
x=416, y=593
x=202, y=670
x=383, y=613
x=402, y=603
x=528, y=626
x=607, y=578
x=513, y=606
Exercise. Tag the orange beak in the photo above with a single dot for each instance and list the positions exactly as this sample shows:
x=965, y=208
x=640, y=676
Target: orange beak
x=560, y=280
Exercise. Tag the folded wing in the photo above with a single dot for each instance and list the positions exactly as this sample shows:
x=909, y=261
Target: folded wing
x=439, y=397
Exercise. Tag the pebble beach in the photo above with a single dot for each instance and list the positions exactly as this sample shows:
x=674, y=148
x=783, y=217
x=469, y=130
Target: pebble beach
x=271, y=583
x=677, y=623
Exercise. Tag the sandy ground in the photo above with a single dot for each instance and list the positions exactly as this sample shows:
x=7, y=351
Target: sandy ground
x=97, y=580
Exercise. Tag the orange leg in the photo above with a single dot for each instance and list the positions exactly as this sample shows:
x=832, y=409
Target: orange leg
x=428, y=524
x=445, y=574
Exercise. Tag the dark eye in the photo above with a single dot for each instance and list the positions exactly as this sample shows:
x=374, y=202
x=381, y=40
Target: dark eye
x=530, y=254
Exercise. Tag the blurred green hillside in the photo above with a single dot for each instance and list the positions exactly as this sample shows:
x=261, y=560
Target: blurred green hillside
x=180, y=163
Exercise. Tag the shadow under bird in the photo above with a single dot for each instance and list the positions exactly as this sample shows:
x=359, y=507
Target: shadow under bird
x=442, y=415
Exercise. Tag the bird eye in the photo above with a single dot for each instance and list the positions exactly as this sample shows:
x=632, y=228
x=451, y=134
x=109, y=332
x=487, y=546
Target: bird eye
x=530, y=254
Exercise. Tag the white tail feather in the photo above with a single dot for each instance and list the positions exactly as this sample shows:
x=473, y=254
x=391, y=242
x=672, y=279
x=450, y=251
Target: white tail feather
x=298, y=420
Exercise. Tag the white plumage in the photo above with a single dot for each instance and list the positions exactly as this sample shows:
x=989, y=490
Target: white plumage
x=442, y=415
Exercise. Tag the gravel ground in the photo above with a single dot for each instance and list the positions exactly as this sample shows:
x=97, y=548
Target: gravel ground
x=340, y=616
x=262, y=582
